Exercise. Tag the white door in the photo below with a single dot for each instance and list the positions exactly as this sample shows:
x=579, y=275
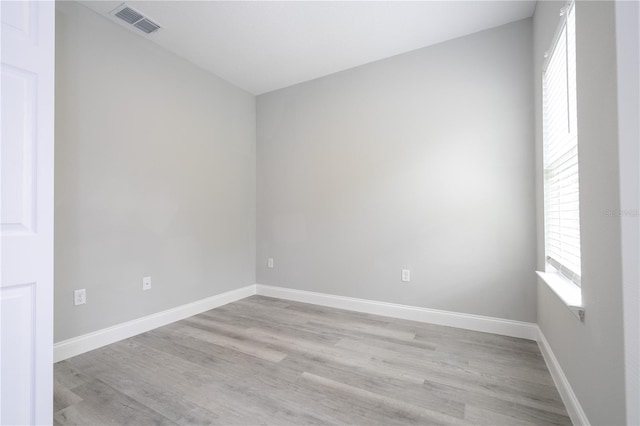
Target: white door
x=26, y=212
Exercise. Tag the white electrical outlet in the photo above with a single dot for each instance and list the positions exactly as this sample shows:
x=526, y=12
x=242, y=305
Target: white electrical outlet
x=270, y=263
x=406, y=275
x=79, y=297
x=146, y=283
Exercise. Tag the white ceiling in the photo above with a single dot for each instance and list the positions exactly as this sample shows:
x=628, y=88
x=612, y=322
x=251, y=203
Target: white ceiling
x=262, y=46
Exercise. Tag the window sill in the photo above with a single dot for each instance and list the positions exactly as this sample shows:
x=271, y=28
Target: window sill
x=567, y=291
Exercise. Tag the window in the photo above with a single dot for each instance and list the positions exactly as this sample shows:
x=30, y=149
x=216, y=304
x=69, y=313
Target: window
x=560, y=152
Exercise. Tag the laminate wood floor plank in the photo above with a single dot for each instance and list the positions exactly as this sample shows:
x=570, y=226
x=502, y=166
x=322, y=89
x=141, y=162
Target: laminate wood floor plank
x=274, y=362
x=194, y=329
x=506, y=404
x=482, y=354
x=522, y=393
x=65, y=376
x=378, y=382
x=302, y=330
x=63, y=397
x=103, y=405
x=381, y=409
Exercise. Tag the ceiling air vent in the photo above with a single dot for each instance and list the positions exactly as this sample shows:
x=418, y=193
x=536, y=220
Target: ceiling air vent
x=135, y=18
x=147, y=25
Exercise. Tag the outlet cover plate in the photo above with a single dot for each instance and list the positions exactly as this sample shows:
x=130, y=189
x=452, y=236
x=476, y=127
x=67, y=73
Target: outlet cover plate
x=146, y=283
x=79, y=297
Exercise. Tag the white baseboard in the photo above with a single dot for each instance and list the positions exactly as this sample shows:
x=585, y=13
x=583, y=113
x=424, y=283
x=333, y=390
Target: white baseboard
x=571, y=403
x=88, y=342
x=500, y=326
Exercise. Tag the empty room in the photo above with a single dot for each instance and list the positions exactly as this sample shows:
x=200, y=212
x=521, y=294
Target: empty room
x=320, y=212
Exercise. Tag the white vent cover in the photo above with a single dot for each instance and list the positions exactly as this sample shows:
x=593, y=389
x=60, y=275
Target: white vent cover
x=135, y=18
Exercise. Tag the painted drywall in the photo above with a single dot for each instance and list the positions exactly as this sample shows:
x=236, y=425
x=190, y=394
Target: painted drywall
x=591, y=353
x=423, y=161
x=155, y=175
x=628, y=75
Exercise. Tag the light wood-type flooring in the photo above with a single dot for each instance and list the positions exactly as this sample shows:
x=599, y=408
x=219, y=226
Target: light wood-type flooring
x=265, y=361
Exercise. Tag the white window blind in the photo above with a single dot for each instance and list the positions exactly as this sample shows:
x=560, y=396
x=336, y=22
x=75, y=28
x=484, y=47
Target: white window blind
x=560, y=152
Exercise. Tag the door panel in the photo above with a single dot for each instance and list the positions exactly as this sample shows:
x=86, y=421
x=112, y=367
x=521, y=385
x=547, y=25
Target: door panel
x=18, y=375
x=18, y=159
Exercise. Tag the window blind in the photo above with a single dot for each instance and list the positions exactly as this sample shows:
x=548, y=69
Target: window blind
x=560, y=153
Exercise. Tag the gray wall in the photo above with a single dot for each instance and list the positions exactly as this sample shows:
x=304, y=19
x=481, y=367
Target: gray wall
x=155, y=175
x=590, y=353
x=421, y=161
